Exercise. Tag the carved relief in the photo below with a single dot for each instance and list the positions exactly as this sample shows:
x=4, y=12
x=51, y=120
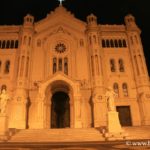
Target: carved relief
x=97, y=98
x=84, y=83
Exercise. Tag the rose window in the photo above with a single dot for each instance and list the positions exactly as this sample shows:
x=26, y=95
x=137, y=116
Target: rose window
x=60, y=48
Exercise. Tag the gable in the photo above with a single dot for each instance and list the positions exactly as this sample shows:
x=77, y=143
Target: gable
x=62, y=17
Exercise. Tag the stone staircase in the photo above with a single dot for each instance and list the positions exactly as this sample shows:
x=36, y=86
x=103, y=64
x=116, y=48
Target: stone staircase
x=57, y=135
x=74, y=135
x=138, y=132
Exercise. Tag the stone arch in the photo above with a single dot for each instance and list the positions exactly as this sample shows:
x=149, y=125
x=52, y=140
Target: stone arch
x=62, y=78
x=59, y=82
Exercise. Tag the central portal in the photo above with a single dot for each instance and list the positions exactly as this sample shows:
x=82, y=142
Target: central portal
x=60, y=110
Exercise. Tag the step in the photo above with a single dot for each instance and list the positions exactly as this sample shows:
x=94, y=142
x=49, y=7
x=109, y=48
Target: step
x=138, y=132
x=74, y=135
x=55, y=135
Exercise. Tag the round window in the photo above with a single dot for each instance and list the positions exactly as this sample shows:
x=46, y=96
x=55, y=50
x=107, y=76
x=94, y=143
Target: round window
x=60, y=48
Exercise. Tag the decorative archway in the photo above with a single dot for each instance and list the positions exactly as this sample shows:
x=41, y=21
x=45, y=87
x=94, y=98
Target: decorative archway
x=59, y=83
x=53, y=97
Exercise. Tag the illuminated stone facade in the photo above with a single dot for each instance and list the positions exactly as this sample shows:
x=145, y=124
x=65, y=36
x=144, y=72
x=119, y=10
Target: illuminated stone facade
x=62, y=54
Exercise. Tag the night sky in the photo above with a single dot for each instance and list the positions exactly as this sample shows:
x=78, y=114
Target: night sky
x=107, y=11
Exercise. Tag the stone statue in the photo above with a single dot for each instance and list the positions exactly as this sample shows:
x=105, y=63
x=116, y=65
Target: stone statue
x=3, y=101
x=110, y=97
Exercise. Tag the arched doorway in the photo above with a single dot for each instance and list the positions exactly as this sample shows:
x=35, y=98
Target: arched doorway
x=60, y=110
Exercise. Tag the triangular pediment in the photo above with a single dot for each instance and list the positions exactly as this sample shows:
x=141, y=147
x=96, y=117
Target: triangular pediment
x=59, y=28
x=60, y=16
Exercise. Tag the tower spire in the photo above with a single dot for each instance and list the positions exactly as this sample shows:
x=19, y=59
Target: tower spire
x=60, y=2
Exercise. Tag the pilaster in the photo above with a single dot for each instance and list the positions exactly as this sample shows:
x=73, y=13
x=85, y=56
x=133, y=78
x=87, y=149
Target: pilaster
x=100, y=109
x=19, y=114
x=77, y=111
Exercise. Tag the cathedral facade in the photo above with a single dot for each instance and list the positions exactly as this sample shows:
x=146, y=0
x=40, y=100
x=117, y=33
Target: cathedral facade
x=57, y=71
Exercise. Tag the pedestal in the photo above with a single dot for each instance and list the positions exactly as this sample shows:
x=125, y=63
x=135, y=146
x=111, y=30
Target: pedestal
x=78, y=124
x=3, y=127
x=114, y=129
x=19, y=115
x=113, y=122
x=3, y=124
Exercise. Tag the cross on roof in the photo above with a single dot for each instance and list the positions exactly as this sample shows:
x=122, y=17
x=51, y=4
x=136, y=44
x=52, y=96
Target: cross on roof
x=61, y=2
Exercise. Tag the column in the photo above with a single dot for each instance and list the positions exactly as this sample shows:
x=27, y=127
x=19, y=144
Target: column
x=71, y=111
x=39, y=124
x=100, y=110
x=77, y=108
x=48, y=105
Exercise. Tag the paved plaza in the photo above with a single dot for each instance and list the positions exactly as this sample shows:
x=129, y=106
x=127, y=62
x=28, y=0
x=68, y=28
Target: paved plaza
x=107, y=145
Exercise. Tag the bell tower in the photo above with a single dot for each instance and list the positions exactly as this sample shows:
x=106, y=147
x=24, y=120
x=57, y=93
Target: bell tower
x=139, y=67
x=95, y=54
x=22, y=88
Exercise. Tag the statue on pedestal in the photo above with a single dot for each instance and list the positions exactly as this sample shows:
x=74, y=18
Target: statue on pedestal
x=3, y=101
x=110, y=97
x=114, y=129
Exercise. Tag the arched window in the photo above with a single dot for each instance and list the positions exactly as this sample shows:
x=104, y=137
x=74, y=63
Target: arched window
x=60, y=64
x=27, y=66
x=136, y=39
x=8, y=44
x=112, y=65
x=97, y=64
x=121, y=65
x=3, y=44
x=136, y=65
x=120, y=43
x=25, y=40
x=125, y=89
x=116, y=43
x=116, y=88
x=124, y=43
x=92, y=65
x=111, y=43
x=94, y=38
x=66, y=65
x=12, y=44
x=103, y=43
x=38, y=43
x=16, y=44
x=54, y=65
x=22, y=65
x=28, y=19
x=107, y=43
x=7, y=67
x=29, y=42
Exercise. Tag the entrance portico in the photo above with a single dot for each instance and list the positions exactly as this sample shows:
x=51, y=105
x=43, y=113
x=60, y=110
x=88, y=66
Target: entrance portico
x=50, y=90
